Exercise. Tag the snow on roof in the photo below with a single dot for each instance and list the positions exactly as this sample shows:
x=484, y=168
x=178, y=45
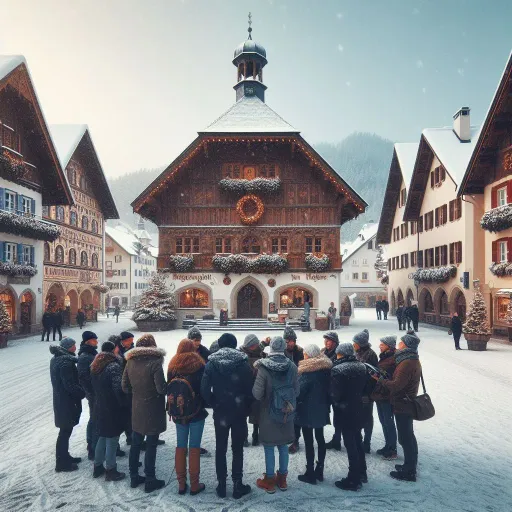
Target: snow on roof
x=153, y=251
x=9, y=63
x=126, y=237
x=451, y=152
x=368, y=232
x=406, y=153
x=250, y=115
x=66, y=138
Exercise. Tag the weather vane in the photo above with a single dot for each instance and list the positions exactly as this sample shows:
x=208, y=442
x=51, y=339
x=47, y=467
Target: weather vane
x=250, y=28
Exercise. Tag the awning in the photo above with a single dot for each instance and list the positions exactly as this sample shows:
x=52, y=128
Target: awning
x=504, y=291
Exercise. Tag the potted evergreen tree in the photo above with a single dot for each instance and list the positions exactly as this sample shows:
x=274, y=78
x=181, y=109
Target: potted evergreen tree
x=345, y=311
x=155, y=309
x=5, y=325
x=476, y=328
x=509, y=319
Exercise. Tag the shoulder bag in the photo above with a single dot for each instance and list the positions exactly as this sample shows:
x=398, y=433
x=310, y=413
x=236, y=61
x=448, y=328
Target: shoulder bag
x=423, y=406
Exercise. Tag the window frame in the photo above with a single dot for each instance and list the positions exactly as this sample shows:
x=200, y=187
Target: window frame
x=8, y=196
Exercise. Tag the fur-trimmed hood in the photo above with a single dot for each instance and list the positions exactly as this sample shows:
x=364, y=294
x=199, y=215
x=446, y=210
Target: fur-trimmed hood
x=145, y=352
x=226, y=360
x=185, y=364
x=58, y=351
x=275, y=363
x=103, y=359
x=314, y=364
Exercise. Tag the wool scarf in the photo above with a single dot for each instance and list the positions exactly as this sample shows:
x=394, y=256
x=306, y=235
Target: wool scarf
x=405, y=354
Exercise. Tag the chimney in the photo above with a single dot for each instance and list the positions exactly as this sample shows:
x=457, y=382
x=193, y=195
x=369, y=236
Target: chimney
x=462, y=125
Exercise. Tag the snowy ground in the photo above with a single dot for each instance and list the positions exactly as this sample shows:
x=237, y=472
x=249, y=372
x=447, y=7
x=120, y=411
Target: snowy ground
x=464, y=452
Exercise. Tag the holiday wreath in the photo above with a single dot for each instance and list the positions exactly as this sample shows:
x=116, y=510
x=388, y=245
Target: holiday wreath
x=250, y=208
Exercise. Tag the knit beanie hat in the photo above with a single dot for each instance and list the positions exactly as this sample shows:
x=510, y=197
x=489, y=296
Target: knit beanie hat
x=277, y=345
x=411, y=340
x=67, y=343
x=345, y=349
x=185, y=346
x=125, y=335
x=194, y=333
x=333, y=336
x=227, y=340
x=312, y=350
x=390, y=341
x=289, y=334
x=88, y=335
x=115, y=339
x=362, y=338
x=251, y=340
x=146, y=340
x=108, y=346
x=214, y=347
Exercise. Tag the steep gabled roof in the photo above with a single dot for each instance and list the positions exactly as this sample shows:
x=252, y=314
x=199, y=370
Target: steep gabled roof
x=367, y=233
x=401, y=170
x=14, y=73
x=477, y=173
x=68, y=139
x=126, y=238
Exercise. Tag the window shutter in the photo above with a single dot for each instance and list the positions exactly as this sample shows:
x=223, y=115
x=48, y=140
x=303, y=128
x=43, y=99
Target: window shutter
x=509, y=249
x=432, y=179
x=445, y=213
x=452, y=259
x=442, y=174
x=19, y=203
x=437, y=216
x=494, y=197
x=33, y=206
x=2, y=251
x=32, y=254
x=2, y=200
x=509, y=191
x=452, y=207
x=19, y=253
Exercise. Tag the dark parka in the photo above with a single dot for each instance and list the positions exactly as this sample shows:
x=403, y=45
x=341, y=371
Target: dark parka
x=67, y=392
x=330, y=354
x=58, y=319
x=313, y=402
x=254, y=354
x=400, y=313
x=413, y=313
x=296, y=355
x=387, y=364
x=204, y=353
x=227, y=385
x=86, y=356
x=47, y=320
x=109, y=399
x=456, y=325
x=144, y=378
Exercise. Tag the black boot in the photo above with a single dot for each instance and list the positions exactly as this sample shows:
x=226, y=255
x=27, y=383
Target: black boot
x=98, y=471
x=382, y=451
x=135, y=481
x=319, y=472
x=255, y=439
x=112, y=475
x=404, y=475
x=333, y=445
x=66, y=467
x=221, y=489
x=75, y=460
x=153, y=485
x=347, y=484
x=399, y=467
x=309, y=476
x=240, y=489
x=119, y=452
x=364, y=477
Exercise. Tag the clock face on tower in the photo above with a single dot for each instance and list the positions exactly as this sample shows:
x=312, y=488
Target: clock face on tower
x=249, y=91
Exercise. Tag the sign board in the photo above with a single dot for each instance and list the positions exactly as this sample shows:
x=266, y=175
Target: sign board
x=18, y=280
x=272, y=308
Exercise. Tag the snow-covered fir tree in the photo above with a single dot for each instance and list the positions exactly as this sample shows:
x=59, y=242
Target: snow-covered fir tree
x=5, y=321
x=476, y=319
x=509, y=312
x=156, y=303
x=381, y=265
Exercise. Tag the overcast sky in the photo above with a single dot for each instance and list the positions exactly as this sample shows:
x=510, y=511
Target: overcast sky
x=146, y=75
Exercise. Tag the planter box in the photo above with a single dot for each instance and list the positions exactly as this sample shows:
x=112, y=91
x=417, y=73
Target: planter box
x=156, y=325
x=321, y=324
x=344, y=320
x=477, y=341
x=3, y=339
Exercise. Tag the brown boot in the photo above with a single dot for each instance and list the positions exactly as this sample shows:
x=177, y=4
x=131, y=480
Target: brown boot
x=267, y=483
x=194, y=465
x=281, y=481
x=180, y=464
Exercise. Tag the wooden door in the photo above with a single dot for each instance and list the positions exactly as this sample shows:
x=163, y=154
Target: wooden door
x=249, y=302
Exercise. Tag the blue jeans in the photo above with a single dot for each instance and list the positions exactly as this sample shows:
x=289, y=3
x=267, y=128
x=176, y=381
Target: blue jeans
x=106, y=449
x=387, y=420
x=270, y=459
x=189, y=434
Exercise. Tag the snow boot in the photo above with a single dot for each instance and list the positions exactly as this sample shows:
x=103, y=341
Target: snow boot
x=160, y=442
x=382, y=451
x=246, y=442
x=112, y=475
x=152, y=484
x=319, y=472
x=267, y=483
x=255, y=439
x=240, y=489
x=221, y=489
x=294, y=447
x=348, y=484
x=65, y=467
x=194, y=465
x=119, y=452
x=309, y=477
x=281, y=481
x=364, y=477
x=333, y=445
x=135, y=481
x=180, y=464
x=75, y=460
x=98, y=471
x=390, y=454
x=399, y=467
x=204, y=451
x=404, y=475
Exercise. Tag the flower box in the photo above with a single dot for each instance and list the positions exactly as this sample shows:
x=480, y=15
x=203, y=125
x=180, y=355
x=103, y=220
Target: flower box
x=477, y=342
x=497, y=219
x=240, y=264
x=317, y=262
x=435, y=274
x=11, y=222
x=240, y=187
x=181, y=263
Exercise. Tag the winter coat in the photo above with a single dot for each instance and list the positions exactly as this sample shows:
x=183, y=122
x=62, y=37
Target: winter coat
x=80, y=317
x=67, y=392
x=117, y=311
x=313, y=402
x=348, y=380
x=387, y=364
x=367, y=355
x=271, y=432
x=144, y=378
x=456, y=325
x=378, y=305
x=58, y=319
x=189, y=366
x=47, y=320
x=86, y=356
x=385, y=306
x=330, y=354
x=400, y=313
x=204, y=353
x=253, y=356
x=227, y=385
x=110, y=403
x=295, y=355
x=413, y=313
x=405, y=383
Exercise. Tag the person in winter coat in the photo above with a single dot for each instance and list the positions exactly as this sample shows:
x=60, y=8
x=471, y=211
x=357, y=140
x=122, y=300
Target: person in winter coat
x=313, y=405
x=251, y=348
x=414, y=315
x=214, y=347
x=109, y=405
x=223, y=317
x=378, y=309
x=80, y=318
x=117, y=312
x=385, y=410
x=348, y=381
x=58, y=320
x=67, y=400
x=194, y=334
x=331, y=341
x=385, y=308
x=227, y=387
x=456, y=328
x=275, y=429
x=331, y=316
x=402, y=387
x=88, y=351
x=144, y=378
x=124, y=343
x=187, y=365
x=47, y=322
x=365, y=354
x=400, y=317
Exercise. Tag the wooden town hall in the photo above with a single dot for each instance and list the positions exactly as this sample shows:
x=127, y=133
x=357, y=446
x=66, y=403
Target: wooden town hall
x=249, y=215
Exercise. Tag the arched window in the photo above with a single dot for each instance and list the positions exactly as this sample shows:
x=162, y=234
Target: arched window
x=72, y=257
x=251, y=245
x=7, y=298
x=73, y=218
x=94, y=260
x=59, y=254
x=46, y=251
x=84, y=261
x=85, y=222
x=60, y=213
x=193, y=298
x=295, y=298
x=444, y=308
x=429, y=303
x=94, y=226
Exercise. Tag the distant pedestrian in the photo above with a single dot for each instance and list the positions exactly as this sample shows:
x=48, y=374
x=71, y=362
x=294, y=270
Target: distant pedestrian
x=378, y=309
x=58, y=320
x=117, y=311
x=223, y=317
x=331, y=316
x=331, y=342
x=195, y=335
x=80, y=318
x=47, y=321
x=414, y=315
x=456, y=328
x=400, y=316
x=385, y=308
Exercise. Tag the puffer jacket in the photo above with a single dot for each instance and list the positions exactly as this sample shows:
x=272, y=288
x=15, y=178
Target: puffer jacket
x=86, y=356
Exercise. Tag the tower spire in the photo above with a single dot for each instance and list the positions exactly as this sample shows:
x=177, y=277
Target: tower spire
x=250, y=28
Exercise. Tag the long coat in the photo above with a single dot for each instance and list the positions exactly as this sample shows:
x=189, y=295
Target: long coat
x=296, y=355
x=144, y=378
x=387, y=364
x=456, y=326
x=272, y=433
x=313, y=402
x=253, y=356
x=110, y=403
x=67, y=392
x=86, y=356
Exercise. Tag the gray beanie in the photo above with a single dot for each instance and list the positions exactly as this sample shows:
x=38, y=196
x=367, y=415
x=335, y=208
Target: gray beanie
x=390, y=341
x=333, y=336
x=67, y=343
x=345, y=349
x=362, y=338
x=251, y=340
x=194, y=333
x=411, y=340
x=312, y=350
x=214, y=347
x=289, y=333
x=277, y=345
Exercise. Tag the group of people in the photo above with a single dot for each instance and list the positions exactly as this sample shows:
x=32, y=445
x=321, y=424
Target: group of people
x=283, y=390
x=382, y=309
x=409, y=315
x=53, y=320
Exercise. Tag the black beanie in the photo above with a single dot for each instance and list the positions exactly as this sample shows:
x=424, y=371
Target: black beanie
x=108, y=346
x=227, y=340
x=88, y=335
x=126, y=335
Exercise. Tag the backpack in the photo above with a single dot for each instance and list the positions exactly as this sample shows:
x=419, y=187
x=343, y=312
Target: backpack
x=182, y=402
x=283, y=402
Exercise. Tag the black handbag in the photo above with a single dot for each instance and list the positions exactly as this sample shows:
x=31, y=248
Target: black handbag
x=422, y=405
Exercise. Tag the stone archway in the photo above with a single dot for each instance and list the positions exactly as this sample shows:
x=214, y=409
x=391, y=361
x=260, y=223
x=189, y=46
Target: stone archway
x=409, y=297
x=426, y=306
x=441, y=307
x=9, y=298
x=55, y=297
x=313, y=295
x=85, y=298
x=73, y=305
x=458, y=303
x=393, y=302
x=239, y=286
x=27, y=311
x=400, y=297
x=249, y=302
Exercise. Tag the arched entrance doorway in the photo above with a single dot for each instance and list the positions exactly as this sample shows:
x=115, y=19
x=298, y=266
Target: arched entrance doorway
x=85, y=299
x=249, y=302
x=55, y=297
x=393, y=302
x=400, y=297
x=26, y=311
x=72, y=308
x=460, y=306
x=7, y=297
x=409, y=298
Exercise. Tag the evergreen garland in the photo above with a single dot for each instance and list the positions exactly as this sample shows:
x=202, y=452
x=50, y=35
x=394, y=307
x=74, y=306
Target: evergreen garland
x=435, y=274
x=15, y=270
x=381, y=266
x=501, y=269
x=497, y=219
x=156, y=303
x=241, y=187
x=476, y=319
x=5, y=321
x=28, y=226
x=11, y=168
x=99, y=287
x=509, y=311
x=317, y=262
x=180, y=263
x=240, y=264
